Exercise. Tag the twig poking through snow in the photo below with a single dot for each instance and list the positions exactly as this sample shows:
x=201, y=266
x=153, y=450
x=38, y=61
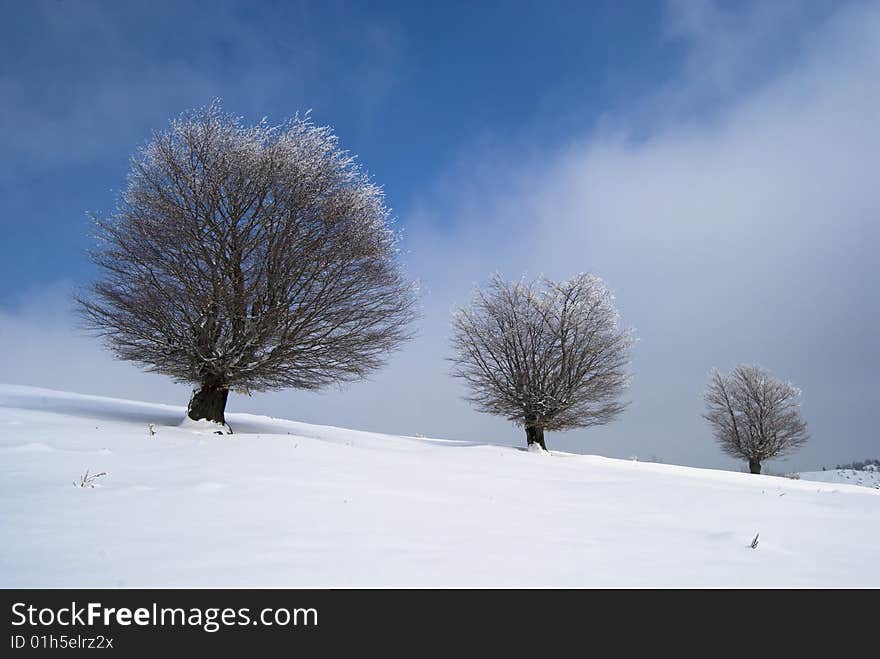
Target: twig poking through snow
x=88, y=480
x=754, y=544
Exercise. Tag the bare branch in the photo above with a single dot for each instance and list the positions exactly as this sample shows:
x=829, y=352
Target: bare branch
x=754, y=416
x=545, y=355
x=249, y=258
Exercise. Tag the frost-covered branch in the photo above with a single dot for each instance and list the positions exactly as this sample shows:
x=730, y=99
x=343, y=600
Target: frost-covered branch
x=754, y=415
x=546, y=355
x=249, y=258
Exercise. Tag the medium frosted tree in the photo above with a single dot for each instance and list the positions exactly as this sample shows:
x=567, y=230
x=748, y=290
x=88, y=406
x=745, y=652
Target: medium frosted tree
x=248, y=258
x=754, y=416
x=546, y=355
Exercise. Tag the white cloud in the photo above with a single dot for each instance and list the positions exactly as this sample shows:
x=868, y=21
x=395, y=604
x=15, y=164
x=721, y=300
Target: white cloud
x=747, y=234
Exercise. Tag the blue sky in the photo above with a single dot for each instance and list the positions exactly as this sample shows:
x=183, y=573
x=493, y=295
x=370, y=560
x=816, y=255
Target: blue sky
x=409, y=86
x=712, y=160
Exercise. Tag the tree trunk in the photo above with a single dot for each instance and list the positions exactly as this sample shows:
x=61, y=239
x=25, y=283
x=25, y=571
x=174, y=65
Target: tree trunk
x=535, y=435
x=208, y=402
x=755, y=466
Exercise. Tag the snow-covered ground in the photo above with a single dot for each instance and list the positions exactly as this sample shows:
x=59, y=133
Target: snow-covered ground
x=288, y=504
x=864, y=478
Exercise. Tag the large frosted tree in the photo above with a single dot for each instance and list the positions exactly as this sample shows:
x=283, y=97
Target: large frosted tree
x=546, y=355
x=754, y=415
x=248, y=258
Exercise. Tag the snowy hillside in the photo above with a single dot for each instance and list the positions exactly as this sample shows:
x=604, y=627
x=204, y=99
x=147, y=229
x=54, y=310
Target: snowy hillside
x=864, y=478
x=288, y=504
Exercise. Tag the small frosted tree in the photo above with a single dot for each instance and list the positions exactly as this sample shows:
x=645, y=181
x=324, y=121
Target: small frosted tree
x=546, y=355
x=754, y=416
x=248, y=258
